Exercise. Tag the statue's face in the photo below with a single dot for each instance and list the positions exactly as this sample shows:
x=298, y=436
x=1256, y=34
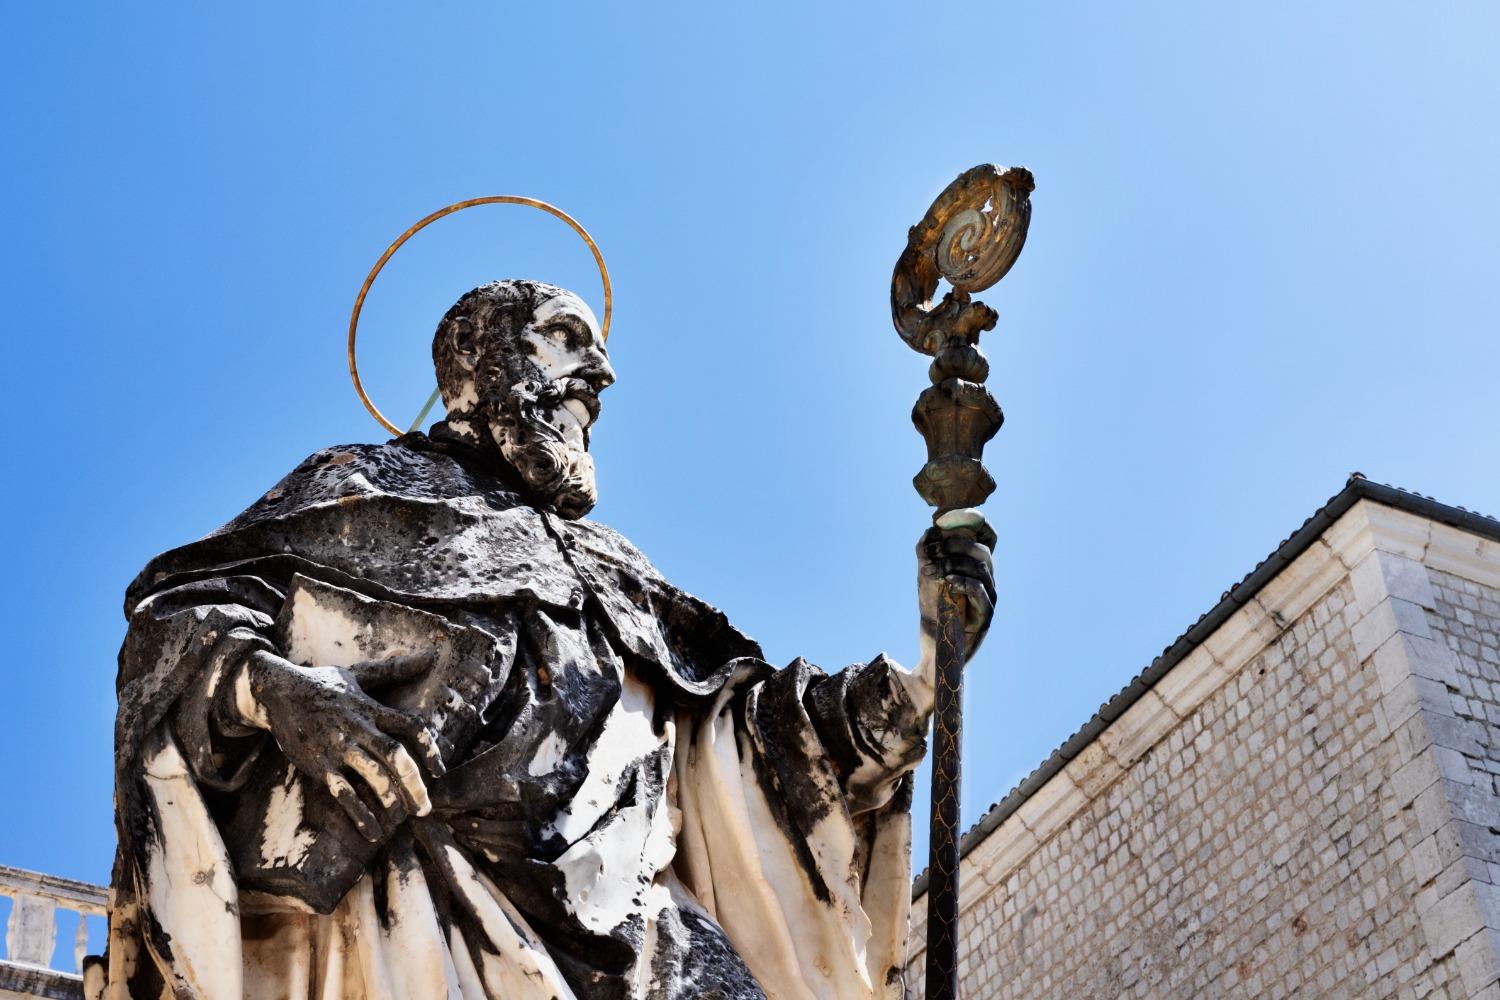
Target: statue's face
x=543, y=398
x=562, y=345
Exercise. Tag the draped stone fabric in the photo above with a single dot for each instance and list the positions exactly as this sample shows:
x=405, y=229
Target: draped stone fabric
x=635, y=805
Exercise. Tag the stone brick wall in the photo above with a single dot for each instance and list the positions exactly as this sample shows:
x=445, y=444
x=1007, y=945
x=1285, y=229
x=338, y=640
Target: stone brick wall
x=1465, y=615
x=1321, y=818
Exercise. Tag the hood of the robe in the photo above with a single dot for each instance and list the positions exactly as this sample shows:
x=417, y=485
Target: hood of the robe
x=433, y=524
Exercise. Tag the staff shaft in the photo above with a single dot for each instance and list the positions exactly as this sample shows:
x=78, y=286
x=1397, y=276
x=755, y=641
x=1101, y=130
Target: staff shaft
x=942, y=860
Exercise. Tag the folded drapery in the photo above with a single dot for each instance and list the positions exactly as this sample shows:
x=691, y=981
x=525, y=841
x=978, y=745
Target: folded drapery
x=636, y=805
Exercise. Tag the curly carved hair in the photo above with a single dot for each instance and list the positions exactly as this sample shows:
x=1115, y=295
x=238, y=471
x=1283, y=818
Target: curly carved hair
x=482, y=329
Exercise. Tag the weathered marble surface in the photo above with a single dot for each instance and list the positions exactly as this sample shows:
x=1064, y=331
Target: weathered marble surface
x=410, y=727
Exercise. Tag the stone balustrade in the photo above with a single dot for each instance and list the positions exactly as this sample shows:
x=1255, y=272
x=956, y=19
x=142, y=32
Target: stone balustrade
x=31, y=931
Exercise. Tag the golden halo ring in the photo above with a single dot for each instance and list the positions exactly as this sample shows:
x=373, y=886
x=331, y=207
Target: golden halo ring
x=458, y=206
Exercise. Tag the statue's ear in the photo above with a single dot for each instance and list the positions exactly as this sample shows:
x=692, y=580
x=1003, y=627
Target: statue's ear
x=461, y=343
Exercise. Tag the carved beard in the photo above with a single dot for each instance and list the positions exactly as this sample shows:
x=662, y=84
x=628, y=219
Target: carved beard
x=527, y=421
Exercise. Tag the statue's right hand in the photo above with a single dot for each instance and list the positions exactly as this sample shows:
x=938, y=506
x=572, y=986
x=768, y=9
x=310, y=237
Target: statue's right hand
x=333, y=731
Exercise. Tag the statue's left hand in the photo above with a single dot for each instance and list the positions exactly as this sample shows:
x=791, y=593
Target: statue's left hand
x=955, y=553
x=331, y=730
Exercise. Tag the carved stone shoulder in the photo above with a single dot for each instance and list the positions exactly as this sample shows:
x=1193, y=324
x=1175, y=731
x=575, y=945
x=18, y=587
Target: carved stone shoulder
x=402, y=468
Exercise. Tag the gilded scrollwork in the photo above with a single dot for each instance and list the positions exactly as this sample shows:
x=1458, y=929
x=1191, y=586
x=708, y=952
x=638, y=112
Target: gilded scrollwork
x=971, y=236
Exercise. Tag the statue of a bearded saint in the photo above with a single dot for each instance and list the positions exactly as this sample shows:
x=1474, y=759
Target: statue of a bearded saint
x=410, y=728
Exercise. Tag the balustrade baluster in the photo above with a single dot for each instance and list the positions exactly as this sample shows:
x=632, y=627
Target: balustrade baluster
x=81, y=942
x=32, y=933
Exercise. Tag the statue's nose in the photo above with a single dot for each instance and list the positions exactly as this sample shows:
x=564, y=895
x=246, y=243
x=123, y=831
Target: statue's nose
x=598, y=372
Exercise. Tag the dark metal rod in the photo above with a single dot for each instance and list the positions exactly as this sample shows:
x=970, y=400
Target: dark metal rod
x=942, y=858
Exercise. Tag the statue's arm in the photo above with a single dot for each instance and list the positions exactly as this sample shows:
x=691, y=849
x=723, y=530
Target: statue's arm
x=873, y=716
x=874, y=731
x=203, y=656
x=183, y=646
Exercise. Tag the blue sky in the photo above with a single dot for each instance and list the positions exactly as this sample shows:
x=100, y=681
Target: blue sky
x=1262, y=256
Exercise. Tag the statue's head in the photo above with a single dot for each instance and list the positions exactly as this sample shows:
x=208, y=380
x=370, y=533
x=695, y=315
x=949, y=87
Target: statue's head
x=521, y=363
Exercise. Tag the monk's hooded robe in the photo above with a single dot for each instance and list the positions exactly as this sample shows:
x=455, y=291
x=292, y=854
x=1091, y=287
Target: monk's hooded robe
x=635, y=804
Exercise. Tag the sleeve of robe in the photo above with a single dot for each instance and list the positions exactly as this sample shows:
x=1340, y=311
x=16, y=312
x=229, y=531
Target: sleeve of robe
x=795, y=794
x=177, y=738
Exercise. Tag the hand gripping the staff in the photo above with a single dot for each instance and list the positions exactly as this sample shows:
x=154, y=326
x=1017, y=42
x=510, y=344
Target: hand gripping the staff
x=954, y=554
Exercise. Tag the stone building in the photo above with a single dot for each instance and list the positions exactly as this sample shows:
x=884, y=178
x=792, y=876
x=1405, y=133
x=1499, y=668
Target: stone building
x=1298, y=798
